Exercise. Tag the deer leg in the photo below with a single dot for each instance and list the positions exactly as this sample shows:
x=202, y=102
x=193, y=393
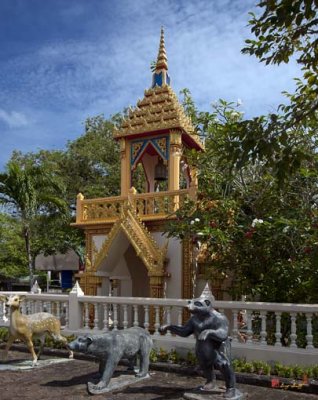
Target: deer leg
x=8, y=345
x=59, y=338
x=31, y=349
x=42, y=341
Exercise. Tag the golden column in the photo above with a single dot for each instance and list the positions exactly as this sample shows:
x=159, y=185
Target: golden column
x=174, y=160
x=125, y=171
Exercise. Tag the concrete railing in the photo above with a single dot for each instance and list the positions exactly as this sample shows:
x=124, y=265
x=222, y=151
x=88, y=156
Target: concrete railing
x=266, y=331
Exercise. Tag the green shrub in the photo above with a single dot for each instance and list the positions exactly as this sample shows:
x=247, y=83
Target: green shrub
x=4, y=334
x=153, y=356
x=261, y=367
x=298, y=372
x=191, y=359
x=248, y=367
x=174, y=357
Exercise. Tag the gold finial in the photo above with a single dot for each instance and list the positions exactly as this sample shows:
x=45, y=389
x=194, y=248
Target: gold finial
x=162, y=61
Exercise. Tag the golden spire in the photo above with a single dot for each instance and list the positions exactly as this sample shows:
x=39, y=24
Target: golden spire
x=160, y=76
x=162, y=61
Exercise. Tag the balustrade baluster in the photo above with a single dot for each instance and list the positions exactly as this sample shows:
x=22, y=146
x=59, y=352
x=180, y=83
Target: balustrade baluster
x=171, y=204
x=309, y=336
x=160, y=205
x=24, y=307
x=49, y=307
x=86, y=316
x=179, y=316
x=235, y=327
x=136, y=322
x=293, y=328
x=263, y=328
x=96, y=320
x=157, y=320
x=66, y=314
x=278, y=334
x=106, y=317
x=168, y=319
x=58, y=313
x=146, y=323
x=115, y=321
x=2, y=310
x=125, y=321
x=249, y=332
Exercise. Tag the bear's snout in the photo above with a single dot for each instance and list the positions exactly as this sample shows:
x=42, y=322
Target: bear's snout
x=73, y=345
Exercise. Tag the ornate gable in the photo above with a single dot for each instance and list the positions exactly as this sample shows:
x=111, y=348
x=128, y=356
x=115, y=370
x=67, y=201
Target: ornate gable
x=145, y=246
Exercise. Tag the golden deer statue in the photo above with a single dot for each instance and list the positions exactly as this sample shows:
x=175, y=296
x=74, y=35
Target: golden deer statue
x=28, y=327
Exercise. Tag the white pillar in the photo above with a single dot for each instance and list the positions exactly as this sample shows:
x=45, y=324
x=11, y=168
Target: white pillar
x=75, y=308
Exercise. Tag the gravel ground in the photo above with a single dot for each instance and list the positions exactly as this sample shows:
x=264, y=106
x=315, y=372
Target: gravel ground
x=67, y=380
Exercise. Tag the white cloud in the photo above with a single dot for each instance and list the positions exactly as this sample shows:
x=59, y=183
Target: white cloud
x=13, y=119
x=107, y=67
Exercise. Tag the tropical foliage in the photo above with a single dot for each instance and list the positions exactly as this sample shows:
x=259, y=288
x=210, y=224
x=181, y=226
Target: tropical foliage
x=255, y=220
x=38, y=192
x=252, y=231
x=29, y=192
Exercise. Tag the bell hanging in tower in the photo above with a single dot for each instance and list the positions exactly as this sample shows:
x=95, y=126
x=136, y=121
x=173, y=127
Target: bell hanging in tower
x=161, y=171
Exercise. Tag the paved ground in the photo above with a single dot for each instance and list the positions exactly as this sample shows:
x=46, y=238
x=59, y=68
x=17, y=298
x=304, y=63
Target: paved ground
x=67, y=380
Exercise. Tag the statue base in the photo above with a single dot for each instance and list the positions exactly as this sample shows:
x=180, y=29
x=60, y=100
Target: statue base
x=214, y=394
x=116, y=383
x=23, y=365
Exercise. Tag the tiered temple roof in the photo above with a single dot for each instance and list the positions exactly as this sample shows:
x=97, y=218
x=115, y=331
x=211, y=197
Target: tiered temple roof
x=160, y=109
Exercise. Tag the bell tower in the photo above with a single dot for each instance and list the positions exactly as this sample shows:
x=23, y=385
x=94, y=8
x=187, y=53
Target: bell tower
x=155, y=133
x=125, y=235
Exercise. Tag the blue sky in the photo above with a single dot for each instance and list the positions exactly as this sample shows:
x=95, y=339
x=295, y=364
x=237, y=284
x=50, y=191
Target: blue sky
x=64, y=60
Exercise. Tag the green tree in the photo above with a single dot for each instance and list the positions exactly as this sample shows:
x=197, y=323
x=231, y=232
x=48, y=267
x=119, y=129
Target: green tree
x=91, y=163
x=13, y=260
x=29, y=191
x=261, y=235
x=284, y=29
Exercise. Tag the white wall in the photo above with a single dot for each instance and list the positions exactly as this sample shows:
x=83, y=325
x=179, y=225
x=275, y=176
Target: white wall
x=174, y=267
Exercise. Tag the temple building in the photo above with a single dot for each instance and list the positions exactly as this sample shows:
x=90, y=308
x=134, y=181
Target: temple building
x=127, y=252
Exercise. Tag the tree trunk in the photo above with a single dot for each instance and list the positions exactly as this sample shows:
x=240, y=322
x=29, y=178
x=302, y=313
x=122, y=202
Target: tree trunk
x=29, y=256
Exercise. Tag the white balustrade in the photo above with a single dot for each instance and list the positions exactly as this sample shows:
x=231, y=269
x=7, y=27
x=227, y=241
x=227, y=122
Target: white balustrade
x=157, y=320
x=115, y=321
x=263, y=328
x=309, y=336
x=86, y=316
x=106, y=317
x=135, y=307
x=179, y=319
x=278, y=334
x=96, y=321
x=146, y=323
x=280, y=327
x=293, y=334
x=249, y=332
x=235, y=326
x=168, y=319
x=125, y=321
